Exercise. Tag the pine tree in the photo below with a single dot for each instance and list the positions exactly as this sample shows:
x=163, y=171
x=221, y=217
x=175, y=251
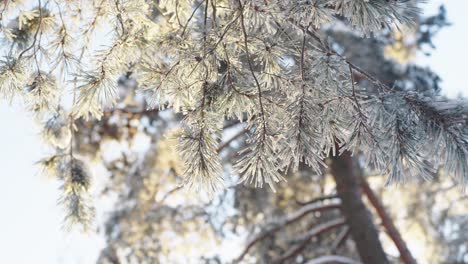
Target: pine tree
x=261, y=89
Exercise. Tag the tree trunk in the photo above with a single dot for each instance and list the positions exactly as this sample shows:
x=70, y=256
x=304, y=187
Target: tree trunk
x=359, y=219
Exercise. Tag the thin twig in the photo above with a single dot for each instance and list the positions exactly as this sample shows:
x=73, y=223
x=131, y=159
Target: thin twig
x=318, y=199
x=318, y=230
x=190, y=18
x=36, y=33
x=251, y=68
x=288, y=220
x=341, y=239
x=228, y=142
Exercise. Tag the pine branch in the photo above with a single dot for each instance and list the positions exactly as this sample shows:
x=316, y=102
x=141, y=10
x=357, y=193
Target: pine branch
x=307, y=237
x=387, y=222
x=284, y=222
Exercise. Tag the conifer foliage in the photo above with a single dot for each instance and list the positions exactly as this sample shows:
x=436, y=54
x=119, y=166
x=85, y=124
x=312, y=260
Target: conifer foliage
x=264, y=63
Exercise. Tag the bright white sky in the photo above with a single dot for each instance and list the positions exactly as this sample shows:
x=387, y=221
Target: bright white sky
x=30, y=221
x=450, y=57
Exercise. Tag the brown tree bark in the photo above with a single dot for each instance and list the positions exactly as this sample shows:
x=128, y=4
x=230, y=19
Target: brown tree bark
x=387, y=222
x=362, y=229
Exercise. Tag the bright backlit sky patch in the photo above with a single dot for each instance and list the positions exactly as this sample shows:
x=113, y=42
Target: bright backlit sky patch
x=450, y=57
